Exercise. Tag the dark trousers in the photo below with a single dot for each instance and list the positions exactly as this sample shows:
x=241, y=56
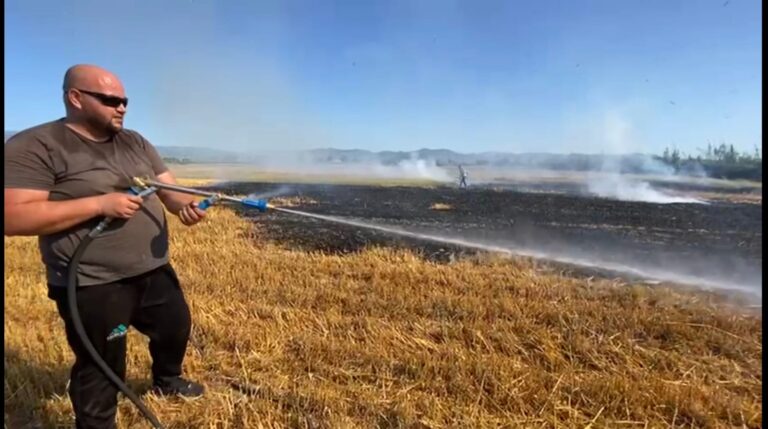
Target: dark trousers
x=154, y=304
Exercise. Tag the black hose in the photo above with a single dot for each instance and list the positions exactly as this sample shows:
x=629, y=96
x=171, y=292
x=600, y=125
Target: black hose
x=72, y=299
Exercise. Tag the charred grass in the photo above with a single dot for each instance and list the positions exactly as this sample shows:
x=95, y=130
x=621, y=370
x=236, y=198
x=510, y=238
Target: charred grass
x=383, y=338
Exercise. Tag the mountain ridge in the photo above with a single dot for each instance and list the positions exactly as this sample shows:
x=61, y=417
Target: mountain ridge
x=636, y=163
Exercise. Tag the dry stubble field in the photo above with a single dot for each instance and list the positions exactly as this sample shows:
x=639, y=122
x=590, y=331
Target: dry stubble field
x=383, y=338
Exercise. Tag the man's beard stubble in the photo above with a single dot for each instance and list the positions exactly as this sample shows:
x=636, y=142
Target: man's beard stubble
x=108, y=127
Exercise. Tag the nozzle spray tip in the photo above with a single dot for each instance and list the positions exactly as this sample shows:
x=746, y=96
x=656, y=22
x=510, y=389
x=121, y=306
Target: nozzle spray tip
x=261, y=205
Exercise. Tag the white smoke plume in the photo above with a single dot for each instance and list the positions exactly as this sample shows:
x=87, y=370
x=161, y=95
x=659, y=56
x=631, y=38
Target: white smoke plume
x=302, y=164
x=611, y=183
x=621, y=188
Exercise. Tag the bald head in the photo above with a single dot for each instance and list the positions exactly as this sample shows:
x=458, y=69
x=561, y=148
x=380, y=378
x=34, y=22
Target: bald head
x=90, y=77
x=95, y=98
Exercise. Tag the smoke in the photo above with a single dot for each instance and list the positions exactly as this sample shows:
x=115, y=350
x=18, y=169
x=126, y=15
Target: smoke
x=621, y=188
x=364, y=165
x=416, y=169
x=610, y=182
x=280, y=191
x=693, y=169
x=656, y=167
x=420, y=169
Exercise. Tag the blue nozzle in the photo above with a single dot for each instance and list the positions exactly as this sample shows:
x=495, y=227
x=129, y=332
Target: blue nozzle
x=260, y=205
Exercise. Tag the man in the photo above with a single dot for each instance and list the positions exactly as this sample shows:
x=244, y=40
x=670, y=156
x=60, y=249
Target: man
x=61, y=179
x=462, y=177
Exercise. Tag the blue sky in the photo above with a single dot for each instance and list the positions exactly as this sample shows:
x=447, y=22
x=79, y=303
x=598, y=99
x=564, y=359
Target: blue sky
x=471, y=76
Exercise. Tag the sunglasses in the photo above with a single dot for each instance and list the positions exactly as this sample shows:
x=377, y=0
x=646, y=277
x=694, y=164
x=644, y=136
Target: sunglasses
x=107, y=100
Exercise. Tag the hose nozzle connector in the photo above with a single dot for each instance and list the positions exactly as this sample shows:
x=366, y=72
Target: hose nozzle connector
x=138, y=181
x=260, y=205
x=213, y=199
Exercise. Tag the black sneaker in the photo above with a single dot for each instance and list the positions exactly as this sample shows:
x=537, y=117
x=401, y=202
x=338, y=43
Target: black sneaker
x=178, y=386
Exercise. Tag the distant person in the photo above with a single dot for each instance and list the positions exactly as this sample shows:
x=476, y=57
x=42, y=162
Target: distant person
x=61, y=177
x=462, y=177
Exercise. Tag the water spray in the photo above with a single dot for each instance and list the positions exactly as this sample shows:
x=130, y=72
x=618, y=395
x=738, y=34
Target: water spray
x=647, y=273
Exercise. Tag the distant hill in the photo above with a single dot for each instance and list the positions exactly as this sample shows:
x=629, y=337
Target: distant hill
x=441, y=157
x=629, y=163
x=198, y=154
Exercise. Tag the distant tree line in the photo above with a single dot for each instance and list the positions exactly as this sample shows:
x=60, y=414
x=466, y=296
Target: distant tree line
x=173, y=160
x=721, y=161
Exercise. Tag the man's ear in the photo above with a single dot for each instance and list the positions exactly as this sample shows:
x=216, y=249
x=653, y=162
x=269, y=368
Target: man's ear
x=73, y=99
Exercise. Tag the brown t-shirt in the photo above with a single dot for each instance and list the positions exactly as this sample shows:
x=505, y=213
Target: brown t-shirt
x=54, y=158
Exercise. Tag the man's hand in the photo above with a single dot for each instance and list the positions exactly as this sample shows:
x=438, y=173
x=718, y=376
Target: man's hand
x=190, y=214
x=119, y=205
x=179, y=203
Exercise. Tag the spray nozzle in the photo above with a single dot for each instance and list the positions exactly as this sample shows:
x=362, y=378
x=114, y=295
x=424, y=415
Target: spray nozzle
x=260, y=205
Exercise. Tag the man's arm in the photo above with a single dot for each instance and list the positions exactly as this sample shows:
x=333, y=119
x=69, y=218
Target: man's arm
x=28, y=211
x=181, y=204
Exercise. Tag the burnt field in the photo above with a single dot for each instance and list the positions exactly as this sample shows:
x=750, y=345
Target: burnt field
x=716, y=244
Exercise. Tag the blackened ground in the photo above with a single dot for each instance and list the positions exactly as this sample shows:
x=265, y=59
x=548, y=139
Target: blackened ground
x=575, y=188
x=720, y=241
